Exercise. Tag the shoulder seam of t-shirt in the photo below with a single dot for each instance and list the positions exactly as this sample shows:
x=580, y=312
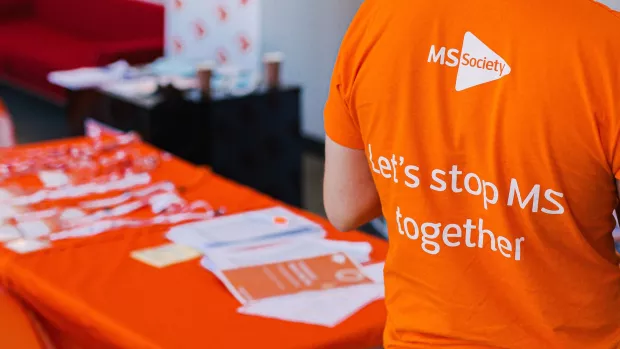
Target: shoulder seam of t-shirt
x=607, y=8
x=348, y=96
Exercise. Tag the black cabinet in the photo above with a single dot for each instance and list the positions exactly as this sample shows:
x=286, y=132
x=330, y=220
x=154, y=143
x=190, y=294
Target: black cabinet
x=254, y=140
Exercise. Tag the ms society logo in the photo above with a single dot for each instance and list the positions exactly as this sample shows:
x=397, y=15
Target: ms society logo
x=477, y=63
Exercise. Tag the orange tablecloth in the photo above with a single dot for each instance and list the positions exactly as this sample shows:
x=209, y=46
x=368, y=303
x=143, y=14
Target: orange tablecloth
x=91, y=294
x=17, y=328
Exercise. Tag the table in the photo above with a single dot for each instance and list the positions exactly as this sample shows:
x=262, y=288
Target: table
x=91, y=294
x=17, y=328
x=254, y=139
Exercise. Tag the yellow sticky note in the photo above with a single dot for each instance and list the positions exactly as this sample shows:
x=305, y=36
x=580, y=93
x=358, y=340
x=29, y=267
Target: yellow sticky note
x=165, y=255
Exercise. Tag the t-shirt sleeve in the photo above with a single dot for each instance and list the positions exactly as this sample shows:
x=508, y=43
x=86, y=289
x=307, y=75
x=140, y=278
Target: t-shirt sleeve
x=611, y=143
x=341, y=122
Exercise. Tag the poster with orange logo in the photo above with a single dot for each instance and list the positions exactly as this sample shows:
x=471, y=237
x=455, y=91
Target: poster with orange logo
x=224, y=31
x=253, y=283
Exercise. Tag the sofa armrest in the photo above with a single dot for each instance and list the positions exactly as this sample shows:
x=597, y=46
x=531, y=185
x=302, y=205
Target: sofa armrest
x=125, y=20
x=104, y=20
x=133, y=51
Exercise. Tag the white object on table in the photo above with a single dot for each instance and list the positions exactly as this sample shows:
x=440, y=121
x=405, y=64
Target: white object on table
x=8, y=233
x=282, y=250
x=375, y=272
x=33, y=229
x=132, y=88
x=244, y=228
x=23, y=246
x=54, y=179
x=83, y=78
x=7, y=211
x=165, y=255
x=323, y=308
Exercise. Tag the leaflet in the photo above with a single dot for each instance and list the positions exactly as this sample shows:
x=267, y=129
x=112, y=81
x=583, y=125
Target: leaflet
x=257, y=282
x=244, y=228
x=282, y=250
x=326, y=308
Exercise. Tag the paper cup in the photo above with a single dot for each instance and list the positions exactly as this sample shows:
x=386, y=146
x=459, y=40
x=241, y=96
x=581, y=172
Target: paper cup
x=204, y=72
x=273, y=62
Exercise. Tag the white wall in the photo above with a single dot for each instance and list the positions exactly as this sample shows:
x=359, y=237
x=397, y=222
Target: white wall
x=309, y=32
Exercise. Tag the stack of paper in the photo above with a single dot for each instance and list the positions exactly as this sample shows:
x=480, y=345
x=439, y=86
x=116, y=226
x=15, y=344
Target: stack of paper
x=263, y=281
x=323, y=290
x=279, y=265
x=244, y=228
x=322, y=308
x=326, y=307
x=282, y=250
x=89, y=77
x=283, y=279
x=142, y=86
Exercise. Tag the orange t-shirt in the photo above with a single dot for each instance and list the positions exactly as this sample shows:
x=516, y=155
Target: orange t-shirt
x=492, y=130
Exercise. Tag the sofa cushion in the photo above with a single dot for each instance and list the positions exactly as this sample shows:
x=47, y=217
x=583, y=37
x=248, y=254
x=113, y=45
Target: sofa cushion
x=30, y=50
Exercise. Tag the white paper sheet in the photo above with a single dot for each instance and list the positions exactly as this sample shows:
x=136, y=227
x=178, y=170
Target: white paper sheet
x=75, y=191
x=162, y=202
x=27, y=216
x=283, y=250
x=7, y=211
x=5, y=194
x=179, y=82
x=375, y=272
x=24, y=246
x=244, y=228
x=54, y=179
x=124, y=197
x=8, y=233
x=72, y=214
x=33, y=229
x=323, y=308
x=88, y=77
x=130, y=88
x=81, y=78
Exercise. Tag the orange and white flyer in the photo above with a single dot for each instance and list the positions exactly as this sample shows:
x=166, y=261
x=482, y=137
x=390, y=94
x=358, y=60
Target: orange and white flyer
x=252, y=283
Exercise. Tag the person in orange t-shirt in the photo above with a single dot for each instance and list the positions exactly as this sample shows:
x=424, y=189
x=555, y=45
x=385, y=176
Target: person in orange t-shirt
x=487, y=133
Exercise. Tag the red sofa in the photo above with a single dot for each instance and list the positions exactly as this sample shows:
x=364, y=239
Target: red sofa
x=40, y=36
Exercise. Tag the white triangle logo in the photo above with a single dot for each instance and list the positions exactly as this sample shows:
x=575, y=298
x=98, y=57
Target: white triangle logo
x=478, y=64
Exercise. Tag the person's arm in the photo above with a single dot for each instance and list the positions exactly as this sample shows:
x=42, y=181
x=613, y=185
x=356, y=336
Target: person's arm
x=350, y=196
x=349, y=192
